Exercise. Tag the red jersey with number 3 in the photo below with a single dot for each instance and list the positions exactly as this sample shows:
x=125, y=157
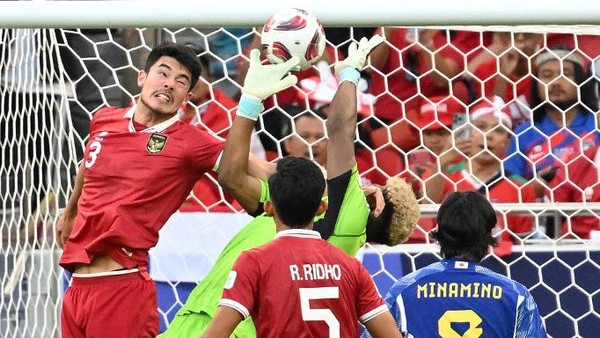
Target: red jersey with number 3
x=299, y=285
x=133, y=182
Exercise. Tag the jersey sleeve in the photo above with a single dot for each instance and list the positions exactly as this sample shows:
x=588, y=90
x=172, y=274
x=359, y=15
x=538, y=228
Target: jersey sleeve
x=345, y=221
x=529, y=321
x=240, y=291
x=369, y=303
x=205, y=151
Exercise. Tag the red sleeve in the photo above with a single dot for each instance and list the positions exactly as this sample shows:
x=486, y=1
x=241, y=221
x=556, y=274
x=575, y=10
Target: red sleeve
x=369, y=303
x=205, y=150
x=240, y=290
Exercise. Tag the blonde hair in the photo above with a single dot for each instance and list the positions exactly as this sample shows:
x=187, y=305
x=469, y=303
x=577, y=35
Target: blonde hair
x=405, y=212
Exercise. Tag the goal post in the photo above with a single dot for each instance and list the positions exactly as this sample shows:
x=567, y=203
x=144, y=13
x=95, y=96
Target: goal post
x=96, y=14
x=53, y=78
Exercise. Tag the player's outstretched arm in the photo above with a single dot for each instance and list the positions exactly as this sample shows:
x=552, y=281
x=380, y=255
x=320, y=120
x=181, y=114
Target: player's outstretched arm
x=65, y=222
x=222, y=325
x=261, y=82
x=341, y=121
x=383, y=326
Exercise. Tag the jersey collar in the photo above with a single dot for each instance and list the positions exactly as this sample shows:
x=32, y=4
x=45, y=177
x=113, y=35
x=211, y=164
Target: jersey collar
x=156, y=128
x=301, y=233
x=459, y=263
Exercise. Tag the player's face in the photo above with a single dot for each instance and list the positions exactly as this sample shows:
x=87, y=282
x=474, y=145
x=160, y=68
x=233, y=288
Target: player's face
x=436, y=140
x=490, y=139
x=560, y=83
x=165, y=87
x=309, y=137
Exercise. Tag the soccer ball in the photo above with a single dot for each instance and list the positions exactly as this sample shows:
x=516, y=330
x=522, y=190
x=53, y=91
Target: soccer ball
x=293, y=32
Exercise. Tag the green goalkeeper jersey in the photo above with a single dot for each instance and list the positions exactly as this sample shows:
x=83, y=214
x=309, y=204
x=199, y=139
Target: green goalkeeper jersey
x=343, y=225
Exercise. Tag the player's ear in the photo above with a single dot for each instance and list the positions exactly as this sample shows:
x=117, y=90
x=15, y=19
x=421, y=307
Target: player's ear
x=322, y=208
x=141, y=78
x=187, y=98
x=269, y=208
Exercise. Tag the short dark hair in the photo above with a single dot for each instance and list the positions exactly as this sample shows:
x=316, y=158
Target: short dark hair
x=297, y=188
x=181, y=53
x=465, y=222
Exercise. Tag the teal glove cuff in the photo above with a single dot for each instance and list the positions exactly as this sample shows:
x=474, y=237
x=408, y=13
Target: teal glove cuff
x=250, y=107
x=350, y=74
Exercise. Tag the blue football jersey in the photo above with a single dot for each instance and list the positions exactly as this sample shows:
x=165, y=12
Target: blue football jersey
x=459, y=298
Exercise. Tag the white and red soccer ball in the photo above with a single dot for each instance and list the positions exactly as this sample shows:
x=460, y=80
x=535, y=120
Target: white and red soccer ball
x=293, y=32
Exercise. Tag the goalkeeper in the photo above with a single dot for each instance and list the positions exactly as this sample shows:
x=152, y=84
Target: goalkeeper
x=343, y=224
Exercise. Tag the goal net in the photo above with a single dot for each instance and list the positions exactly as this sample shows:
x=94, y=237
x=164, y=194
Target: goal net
x=427, y=92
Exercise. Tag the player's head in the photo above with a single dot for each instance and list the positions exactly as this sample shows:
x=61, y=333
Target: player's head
x=296, y=187
x=184, y=55
x=171, y=71
x=306, y=136
x=397, y=220
x=465, y=222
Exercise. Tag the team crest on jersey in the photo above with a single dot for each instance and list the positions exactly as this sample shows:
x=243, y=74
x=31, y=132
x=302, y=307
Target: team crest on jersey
x=156, y=143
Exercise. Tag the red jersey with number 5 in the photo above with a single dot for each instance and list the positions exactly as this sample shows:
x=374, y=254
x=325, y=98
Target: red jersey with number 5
x=133, y=182
x=299, y=285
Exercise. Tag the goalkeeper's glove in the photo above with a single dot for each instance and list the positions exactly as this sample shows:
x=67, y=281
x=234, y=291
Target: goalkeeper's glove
x=263, y=81
x=349, y=68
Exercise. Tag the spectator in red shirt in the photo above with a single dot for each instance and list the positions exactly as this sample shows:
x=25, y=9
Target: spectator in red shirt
x=579, y=182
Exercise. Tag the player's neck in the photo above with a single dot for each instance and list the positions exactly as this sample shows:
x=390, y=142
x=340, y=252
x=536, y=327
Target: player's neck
x=149, y=118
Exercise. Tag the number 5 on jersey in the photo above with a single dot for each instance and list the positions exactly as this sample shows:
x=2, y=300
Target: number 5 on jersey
x=320, y=315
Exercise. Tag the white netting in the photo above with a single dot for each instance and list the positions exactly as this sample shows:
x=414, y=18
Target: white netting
x=52, y=81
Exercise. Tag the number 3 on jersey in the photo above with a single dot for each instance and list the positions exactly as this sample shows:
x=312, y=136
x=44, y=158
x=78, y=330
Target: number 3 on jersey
x=95, y=148
x=320, y=315
x=460, y=316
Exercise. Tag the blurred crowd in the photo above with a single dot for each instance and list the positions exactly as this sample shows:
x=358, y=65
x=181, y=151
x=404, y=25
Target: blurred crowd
x=511, y=115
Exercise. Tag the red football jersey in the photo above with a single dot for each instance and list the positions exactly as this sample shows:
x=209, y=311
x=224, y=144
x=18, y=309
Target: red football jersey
x=299, y=285
x=133, y=182
x=578, y=182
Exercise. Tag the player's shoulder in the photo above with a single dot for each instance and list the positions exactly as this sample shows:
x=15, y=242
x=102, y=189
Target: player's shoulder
x=414, y=277
x=194, y=131
x=503, y=280
x=106, y=113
